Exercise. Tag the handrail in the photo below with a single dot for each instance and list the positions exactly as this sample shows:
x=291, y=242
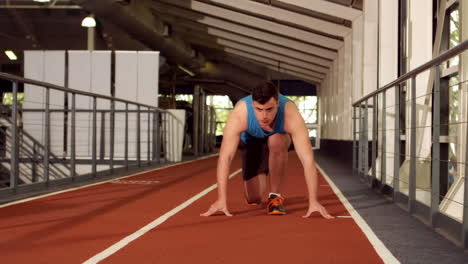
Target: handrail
x=12, y=77
x=437, y=60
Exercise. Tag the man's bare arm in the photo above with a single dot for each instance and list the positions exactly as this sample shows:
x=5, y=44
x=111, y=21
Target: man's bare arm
x=295, y=125
x=235, y=125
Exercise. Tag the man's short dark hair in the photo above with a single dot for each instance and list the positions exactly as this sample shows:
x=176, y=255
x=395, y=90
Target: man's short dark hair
x=263, y=91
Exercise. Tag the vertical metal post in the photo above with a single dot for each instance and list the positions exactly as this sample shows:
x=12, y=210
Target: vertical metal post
x=102, y=144
x=172, y=142
x=148, y=139
x=47, y=136
x=34, y=165
x=412, y=168
x=112, y=135
x=366, y=141
x=465, y=195
x=73, y=138
x=153, y=133
x=165, y=144
x=360, y=143
x=383, y=163
x=14, y=172
x=94, y=137
x=202, y=121
x=138, y=137
x=157, y=136
x=396, y=159
x=354, y=142
x=196, y=119
x=374, y=140
x=435, y=173
x=126, y=136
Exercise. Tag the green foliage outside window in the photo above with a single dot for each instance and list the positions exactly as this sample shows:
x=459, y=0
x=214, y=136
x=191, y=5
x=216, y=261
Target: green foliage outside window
x=8, y=98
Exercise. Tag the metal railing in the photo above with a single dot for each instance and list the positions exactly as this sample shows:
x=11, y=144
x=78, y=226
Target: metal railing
x=100, y=135
x=418, y=123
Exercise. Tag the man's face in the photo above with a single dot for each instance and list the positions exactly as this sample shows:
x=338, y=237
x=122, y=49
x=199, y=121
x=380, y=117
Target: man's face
x=265, y=113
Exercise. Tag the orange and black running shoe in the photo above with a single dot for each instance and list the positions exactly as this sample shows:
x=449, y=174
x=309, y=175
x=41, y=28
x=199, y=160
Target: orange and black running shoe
x=275, y=205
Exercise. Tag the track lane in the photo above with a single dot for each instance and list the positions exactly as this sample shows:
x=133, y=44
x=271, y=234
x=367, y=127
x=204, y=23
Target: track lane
x=71, y=227
x=251, y=236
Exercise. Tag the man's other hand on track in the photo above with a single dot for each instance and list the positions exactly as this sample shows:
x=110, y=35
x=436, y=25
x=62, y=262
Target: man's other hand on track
x=218, y=206
x=317, y=207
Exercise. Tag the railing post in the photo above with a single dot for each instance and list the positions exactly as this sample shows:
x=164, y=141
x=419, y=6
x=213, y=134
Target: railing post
x=465, y=195
x=396, y=159
x=14, y=172
x=94, y=137
x=126, y=136
x=112, y=135
x=412, y=168
x=383, y=157
x=148, y=139
x=153, y=134
x=72, y=138
x=47, y=136
x=435, y=191
x=354, y=142
x=138, y=137
x=374, y=140
x=102, y=149
x=34, y=165
x=366, y=141
x=360, y=143
x=157, y=137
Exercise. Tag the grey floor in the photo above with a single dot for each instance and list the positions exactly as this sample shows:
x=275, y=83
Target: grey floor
x=409, y=239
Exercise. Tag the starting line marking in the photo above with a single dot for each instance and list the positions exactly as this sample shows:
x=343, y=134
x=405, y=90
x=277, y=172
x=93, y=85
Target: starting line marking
x=134, y=182
x=125, y=241
x=380, y=247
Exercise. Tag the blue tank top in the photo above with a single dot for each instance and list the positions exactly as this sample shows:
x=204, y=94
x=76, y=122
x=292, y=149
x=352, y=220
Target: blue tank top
x=254, y=131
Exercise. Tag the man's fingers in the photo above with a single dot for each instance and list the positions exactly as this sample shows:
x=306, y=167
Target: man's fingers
x=308, y=214
x=325, y=214
x=226, y=212
x=209, y=212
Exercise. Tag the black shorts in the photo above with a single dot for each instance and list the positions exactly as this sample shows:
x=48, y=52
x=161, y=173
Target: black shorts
x=255, y=157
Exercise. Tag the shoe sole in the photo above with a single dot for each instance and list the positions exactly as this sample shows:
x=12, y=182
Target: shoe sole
x=276, y=213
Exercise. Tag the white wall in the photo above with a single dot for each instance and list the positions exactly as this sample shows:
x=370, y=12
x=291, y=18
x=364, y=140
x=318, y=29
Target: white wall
x=388, y=72
x=47, y=66
x=136, y=79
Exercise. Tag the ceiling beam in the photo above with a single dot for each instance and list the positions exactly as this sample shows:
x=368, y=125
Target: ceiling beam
x=223, y=34
x=280, y=14
x=259, y=23
x=26, y=27
x=245, y=31
x=325, y=7
x=260, y=59
x=253, y=50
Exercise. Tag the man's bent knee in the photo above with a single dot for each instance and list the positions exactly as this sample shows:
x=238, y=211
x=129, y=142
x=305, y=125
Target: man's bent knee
x=278, y=143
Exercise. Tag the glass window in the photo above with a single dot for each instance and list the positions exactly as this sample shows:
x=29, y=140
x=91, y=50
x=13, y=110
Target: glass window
x=223, y=107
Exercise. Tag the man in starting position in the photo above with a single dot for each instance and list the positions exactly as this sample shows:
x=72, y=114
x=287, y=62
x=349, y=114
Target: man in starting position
x=265, y=122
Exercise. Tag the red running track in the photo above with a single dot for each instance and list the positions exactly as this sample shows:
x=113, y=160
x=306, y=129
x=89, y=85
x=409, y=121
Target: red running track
x=74, y=226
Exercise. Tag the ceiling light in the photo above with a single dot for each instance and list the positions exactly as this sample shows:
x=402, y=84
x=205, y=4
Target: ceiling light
x=11, y=55
x=42, y=1
x=186, y=71
x=88, y=22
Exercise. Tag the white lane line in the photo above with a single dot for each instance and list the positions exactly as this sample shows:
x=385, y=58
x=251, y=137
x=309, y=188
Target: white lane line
x=380, y=248
x=343, y=216
x=114, y=179
x=122, y=243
